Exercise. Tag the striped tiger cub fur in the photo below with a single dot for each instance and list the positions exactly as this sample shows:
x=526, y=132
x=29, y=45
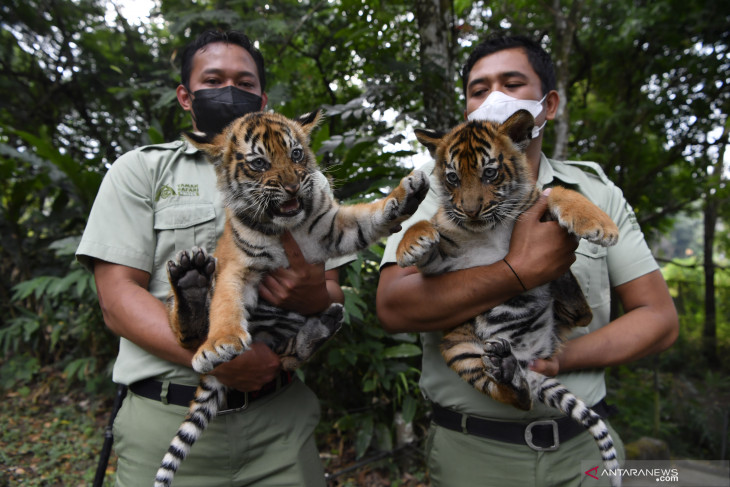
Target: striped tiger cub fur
x=484, y=184
x=270, y=182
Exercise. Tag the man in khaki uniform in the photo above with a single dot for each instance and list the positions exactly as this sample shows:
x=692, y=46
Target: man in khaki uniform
x=475, y=440
x=154, y=202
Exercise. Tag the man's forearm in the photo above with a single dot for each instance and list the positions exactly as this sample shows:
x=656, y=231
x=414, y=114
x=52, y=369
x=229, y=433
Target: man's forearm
x=407, y=301
x=649, y=326
x=539, y=252
x=130, y=311
x=148, y=327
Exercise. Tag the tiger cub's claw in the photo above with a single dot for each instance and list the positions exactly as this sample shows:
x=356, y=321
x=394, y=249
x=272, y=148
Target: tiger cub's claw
x=417, y=243
x=406, y=198
x=214, y=352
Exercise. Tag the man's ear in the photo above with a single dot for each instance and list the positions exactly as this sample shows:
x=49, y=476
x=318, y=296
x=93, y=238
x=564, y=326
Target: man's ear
x=265, y=100
x=552, y=102
x=183, y=98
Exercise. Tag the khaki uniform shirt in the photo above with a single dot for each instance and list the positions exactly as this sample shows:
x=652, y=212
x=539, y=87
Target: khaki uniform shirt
x=597, y=269
x=153, y=202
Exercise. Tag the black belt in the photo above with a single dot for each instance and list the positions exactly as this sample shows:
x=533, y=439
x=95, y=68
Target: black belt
x=182, y=395
x=540, y=435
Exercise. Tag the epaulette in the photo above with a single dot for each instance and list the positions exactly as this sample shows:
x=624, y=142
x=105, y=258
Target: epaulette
x=174, y=145
x=590, y=168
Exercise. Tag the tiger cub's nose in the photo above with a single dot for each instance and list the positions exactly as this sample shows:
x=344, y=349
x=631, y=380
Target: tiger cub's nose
x=291, y=189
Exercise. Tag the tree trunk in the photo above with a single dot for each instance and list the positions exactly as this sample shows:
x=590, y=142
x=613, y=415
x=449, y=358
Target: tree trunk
x=709, y=334
x=565, y=25
x=435, y=27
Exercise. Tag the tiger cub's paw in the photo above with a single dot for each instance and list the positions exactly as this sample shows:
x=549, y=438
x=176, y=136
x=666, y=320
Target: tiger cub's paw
x=499, y=362
x=597, y=228
x=510, y=384
x=581, y=217
x=191, y=274
x=316, y=332
x=404, y=200
x=216, y=351
x=418, y=242
x=332, y=318
x=191, y=278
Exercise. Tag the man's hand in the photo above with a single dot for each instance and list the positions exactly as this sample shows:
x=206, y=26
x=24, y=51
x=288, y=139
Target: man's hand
x=540, y=251
x=251, y=370
x=301, y=287
x=549, y=367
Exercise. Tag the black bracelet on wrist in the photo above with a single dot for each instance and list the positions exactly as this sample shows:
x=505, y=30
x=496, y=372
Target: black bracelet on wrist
x=515, y=273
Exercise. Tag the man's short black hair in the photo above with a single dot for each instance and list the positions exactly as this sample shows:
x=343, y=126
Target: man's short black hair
x=536, y=55
x=229, y=37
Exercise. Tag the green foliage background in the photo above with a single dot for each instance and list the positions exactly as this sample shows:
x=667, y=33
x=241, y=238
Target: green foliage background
x=647, y=85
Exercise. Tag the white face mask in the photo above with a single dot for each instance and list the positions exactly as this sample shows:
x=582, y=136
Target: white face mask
x=498, y=107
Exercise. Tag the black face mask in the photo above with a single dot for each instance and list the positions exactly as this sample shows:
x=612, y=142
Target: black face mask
x=215, y=108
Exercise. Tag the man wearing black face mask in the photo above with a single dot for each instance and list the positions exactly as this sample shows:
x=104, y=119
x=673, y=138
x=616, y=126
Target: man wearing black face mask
x=154, y=202
x=220, y=82
x=214, y=108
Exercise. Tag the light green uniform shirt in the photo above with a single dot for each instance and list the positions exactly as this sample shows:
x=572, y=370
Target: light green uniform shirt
x=597, y=269
x=153, y=202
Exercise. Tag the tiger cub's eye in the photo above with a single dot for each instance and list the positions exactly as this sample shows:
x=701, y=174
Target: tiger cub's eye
x=259, y=164
x=297, y=155
x=490, y=173
x=452, y=178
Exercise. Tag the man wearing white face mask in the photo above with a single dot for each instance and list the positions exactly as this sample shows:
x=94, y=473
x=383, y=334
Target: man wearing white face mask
x=498, y=107
x=483, y=442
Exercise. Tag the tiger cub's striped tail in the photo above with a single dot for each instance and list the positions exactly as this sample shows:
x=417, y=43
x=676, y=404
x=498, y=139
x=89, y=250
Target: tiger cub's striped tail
x=552, y=393
x=204, y=406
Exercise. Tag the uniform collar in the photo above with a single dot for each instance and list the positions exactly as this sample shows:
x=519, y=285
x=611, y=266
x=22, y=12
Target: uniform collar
x=551, y=172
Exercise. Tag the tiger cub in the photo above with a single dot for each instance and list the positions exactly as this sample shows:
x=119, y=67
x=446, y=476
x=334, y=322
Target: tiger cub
x=484, y=186
x=270, y=182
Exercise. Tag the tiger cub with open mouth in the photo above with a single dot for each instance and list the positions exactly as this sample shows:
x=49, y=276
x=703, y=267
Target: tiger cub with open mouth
x=270, y=181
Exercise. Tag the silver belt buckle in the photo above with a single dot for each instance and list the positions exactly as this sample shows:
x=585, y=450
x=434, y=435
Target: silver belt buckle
x=556, y=436
x=224, y=412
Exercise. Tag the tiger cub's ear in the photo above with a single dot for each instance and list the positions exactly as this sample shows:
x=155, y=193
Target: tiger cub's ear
x=211, y=144
x=309, y=121
x=518, y=127
x=430, y=138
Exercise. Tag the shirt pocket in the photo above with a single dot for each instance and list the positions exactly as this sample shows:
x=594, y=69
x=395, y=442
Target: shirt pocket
x=591, y=271
x=182, y=227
